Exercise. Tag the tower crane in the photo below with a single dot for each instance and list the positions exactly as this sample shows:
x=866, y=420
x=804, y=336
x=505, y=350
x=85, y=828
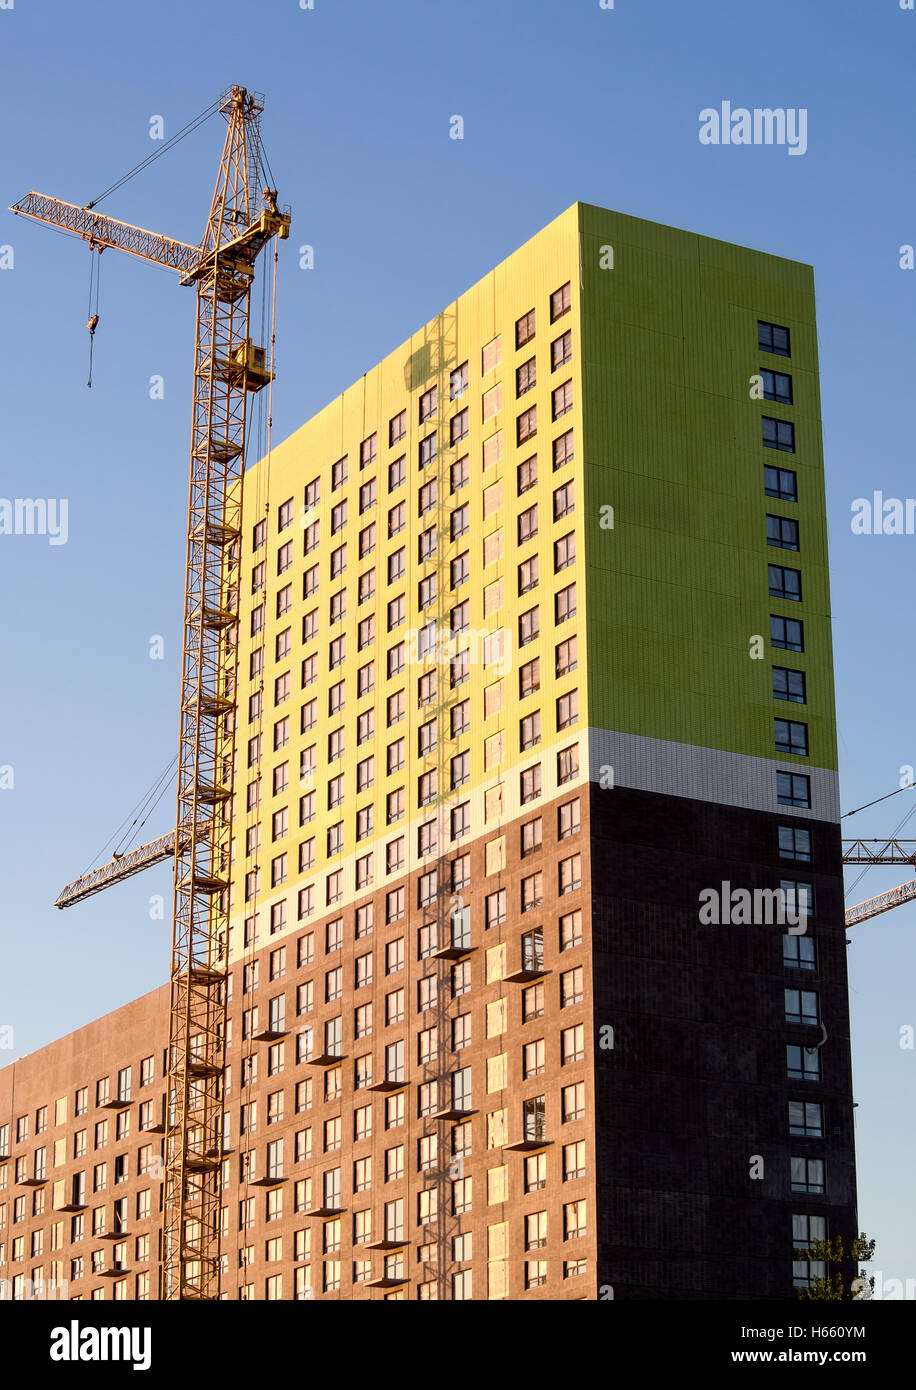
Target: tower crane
x=875, y=852
x=228, y=368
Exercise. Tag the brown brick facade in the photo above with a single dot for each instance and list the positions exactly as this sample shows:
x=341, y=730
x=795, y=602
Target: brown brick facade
x=285, y=1233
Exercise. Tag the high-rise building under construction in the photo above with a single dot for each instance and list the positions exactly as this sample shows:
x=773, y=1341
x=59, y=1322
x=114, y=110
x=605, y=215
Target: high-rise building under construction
x=538, y=980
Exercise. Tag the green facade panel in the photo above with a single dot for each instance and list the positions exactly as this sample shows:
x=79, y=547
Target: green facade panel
x=678, y=589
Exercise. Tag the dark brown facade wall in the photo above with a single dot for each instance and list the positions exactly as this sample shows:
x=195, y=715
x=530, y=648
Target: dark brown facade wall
x=696, y=1083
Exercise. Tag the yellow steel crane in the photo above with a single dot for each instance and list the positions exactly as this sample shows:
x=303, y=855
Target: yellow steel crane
x=228, y=367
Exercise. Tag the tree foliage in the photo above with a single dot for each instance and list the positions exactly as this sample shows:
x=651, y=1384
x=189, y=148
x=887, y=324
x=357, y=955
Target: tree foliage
x=832, y=1284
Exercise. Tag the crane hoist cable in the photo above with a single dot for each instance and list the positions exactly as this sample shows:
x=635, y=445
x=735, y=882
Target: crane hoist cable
x=92, y=322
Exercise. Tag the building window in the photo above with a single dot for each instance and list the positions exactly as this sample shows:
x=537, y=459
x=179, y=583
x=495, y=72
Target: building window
x=572, y=1045
x=567, y=764
x=397, y=518
x=564, y=552
x=574, y=1161
x=806, y=1118
x=458, y=382
x=460, y=570
x=789, y=685
x=535, y=1172
x=426, y=453
x=534, y=1117
x=807, y=1232
x=428, y=404
x=574, y=1226
x=527, y=475
x=560, y=302
x=532, y=1003
x=785, y=583
x=338, y=562
x=530, y=784
x=778, y=434
x=534, y=1058
x=533, y=941
x=530, y=730
x=396, y=659
x=365, y=635
x=802, y=1006
x=573, y=1102
x=567, y=656
x=569, y=874
x=777, y=386
x=561, y=350
x=395, y=708
x=568, y=819
x=531, y=838
x=787, y=633
x=397, y=427
x=793, y=789
x=495, y=908
x=459, y=474
x=368, y=451
x=529, y=677
x=525, y=377
x=397, y=612
x=794, y=843
x=797, y=896
x=524, y=328
x=528, y=575
x=799, y=952
x=802, y=1063
x=338, y=473
x=781, y=483
x=782, y=532
x=572, y=987
x=367, y=496
x=565, y=604
x=567, y=709
x=772, y=337
x=426, y=497
x=791, y=737
x=461, y=717
x=564, y=500
x=532, y=893
x=562, y=449
x=571, y=929
x=561, y=400
x=807, y=1175
x=526, y=426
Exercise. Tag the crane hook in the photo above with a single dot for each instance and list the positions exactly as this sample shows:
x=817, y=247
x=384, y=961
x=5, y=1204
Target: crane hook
x=92, y=324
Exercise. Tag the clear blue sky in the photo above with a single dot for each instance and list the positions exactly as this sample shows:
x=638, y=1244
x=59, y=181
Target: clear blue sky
x=560, y=102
